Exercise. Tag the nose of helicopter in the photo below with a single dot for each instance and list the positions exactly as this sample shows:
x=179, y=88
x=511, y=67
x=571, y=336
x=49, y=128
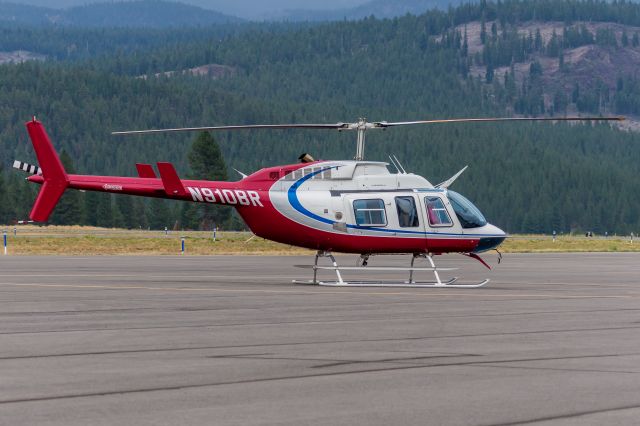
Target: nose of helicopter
x=492, y=237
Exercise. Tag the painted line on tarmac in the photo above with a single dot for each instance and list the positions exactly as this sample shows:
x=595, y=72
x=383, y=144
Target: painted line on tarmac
x=287, y=277
x=133, y=276
x=451, y=293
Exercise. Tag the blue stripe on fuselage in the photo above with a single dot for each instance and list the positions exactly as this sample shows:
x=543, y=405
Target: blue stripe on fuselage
x=295, y=203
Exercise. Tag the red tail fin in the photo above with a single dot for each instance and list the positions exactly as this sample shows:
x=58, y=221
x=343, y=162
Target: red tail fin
x=145, y=171
x=55, y=178
x=170, y=179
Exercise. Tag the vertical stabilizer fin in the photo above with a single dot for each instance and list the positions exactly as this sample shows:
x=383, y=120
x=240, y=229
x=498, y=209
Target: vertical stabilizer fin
x=145, y=171
x=170, y=179
x=53, y=173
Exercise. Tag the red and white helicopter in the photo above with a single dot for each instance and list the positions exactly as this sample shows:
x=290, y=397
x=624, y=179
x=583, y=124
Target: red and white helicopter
x=353, y=206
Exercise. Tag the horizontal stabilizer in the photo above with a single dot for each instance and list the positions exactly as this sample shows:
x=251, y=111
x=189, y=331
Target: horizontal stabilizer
x=146, y=171
x=170, y=179
x=26, y=167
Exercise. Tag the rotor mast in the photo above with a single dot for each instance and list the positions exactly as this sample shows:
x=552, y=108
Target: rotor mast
x=362, y=128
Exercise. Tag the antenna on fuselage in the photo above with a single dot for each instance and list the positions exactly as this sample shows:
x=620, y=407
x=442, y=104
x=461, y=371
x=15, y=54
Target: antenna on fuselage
x=404, y=172
x=394, y=164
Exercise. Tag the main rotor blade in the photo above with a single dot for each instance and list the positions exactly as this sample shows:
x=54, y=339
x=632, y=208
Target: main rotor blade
x=363, y=125
x=336, y=126
x=480, y=120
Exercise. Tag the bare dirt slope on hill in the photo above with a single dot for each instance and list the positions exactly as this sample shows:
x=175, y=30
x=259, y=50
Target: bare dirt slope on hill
x=585, y=65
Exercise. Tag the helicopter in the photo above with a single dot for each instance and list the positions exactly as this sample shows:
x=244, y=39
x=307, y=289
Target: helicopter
x=349, y=206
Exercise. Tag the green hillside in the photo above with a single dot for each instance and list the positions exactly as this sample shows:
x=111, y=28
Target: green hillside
x=525, y=177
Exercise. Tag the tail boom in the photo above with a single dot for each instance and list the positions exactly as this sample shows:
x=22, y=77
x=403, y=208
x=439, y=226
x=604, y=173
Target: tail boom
x=54, y=180
x=211, y=192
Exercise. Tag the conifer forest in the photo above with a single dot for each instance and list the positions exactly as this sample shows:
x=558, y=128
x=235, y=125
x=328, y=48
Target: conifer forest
x=539, y=58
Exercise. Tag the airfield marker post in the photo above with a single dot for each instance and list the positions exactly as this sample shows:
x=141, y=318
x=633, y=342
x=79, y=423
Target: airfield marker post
x=4, y=237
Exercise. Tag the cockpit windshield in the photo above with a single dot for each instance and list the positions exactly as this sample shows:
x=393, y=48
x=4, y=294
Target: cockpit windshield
x=468, y=214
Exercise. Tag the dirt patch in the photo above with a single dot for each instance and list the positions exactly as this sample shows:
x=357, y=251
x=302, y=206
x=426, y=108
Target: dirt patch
x=19, y=56
x=212, y=71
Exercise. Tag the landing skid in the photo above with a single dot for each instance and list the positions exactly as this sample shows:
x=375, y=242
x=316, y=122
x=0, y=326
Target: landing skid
x=411, y=283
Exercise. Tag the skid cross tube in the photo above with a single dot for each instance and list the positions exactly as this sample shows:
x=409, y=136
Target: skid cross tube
x=335, y=265
x=340, y=282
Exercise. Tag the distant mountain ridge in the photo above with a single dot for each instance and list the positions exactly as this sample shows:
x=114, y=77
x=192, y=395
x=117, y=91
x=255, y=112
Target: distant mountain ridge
x=379, y=8
x=141, y=13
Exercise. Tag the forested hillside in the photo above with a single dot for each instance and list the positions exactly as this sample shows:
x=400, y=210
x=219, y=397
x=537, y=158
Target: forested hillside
x=524, y=177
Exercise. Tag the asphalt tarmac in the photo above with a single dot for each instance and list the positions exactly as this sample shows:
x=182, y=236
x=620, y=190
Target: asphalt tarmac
x=553, y=339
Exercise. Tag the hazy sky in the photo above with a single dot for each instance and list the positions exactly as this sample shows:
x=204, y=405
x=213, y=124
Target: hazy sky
x=250, y=9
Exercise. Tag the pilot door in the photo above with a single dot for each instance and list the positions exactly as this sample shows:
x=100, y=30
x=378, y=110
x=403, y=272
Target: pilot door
x=440, y=220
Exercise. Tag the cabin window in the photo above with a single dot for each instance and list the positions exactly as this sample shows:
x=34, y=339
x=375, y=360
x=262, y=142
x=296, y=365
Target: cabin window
x=407, y=212
x=436, y=212
x=370, y=212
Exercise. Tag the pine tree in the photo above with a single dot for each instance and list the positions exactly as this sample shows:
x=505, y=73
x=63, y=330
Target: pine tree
x=189, y=216
x=20, y=197
x=553, y=47
x=207, y=163
x=535, y=70
x=117, y=218
x=159, y=217
x=537, y=44
x=139, y=214
x=123, y=209
x=205, y=159
x=104, y=212
x=465, y=43
x=91, y=204
x=562, y=66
